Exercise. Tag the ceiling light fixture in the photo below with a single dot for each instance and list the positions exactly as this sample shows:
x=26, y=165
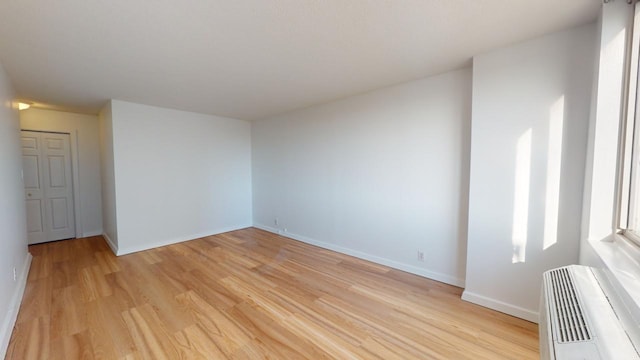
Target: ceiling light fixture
x=23, y=106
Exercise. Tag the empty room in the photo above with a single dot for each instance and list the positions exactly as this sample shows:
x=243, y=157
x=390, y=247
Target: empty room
x=319, y=179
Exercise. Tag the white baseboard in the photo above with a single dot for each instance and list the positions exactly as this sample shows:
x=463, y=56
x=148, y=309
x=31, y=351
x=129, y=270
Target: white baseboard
x=447, y=279
x=141, y=247
x=92, y=233
x=500, y=306
x=14, y=306
x=111, y=244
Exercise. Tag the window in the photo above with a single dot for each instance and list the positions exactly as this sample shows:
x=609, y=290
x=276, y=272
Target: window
x=629, y=212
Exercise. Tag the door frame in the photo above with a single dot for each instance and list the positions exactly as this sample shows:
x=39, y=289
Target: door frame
x=75, y=171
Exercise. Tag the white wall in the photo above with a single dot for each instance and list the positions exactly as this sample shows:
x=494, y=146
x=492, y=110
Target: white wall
x=108, y=181
x=178, y=175
x=13, y=225
x=84, y=135
x=379, y=176
x=531, y=106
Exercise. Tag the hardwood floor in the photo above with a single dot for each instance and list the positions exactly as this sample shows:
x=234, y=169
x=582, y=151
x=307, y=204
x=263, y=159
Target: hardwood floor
x=247, y=294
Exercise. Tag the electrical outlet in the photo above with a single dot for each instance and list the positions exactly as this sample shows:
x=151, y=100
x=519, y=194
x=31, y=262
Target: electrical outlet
x=15, y=276
x=285, y=229
x=420, y=256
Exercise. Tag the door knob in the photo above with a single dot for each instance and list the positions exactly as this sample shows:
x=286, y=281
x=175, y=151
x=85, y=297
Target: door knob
x=29, y=194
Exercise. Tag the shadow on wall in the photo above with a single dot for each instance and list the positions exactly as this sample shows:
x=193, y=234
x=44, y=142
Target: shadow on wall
x=554, y=128
x=530, y=126
x=522, y=182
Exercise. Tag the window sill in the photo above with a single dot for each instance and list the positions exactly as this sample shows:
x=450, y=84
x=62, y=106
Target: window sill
x=621, y=257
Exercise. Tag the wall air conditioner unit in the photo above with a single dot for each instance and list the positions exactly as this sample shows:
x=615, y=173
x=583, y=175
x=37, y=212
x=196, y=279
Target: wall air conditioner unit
x=585, y=314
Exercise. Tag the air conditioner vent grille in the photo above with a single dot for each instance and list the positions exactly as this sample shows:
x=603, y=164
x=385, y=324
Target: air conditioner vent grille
x=569, y=320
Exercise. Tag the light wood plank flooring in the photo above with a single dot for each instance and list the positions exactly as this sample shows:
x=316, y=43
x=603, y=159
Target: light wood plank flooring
x=247, y=294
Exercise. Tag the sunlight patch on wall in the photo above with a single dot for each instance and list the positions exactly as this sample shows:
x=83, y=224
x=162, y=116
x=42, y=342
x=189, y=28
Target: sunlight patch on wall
x=554, y=168
x=521, y=198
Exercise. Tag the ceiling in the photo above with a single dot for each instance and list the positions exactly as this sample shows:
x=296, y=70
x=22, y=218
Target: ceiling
x=249, y=59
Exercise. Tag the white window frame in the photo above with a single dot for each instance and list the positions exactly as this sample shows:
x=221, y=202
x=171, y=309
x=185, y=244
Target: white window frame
x=630, y=141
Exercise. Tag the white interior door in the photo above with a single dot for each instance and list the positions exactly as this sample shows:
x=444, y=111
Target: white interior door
x=46, y=163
